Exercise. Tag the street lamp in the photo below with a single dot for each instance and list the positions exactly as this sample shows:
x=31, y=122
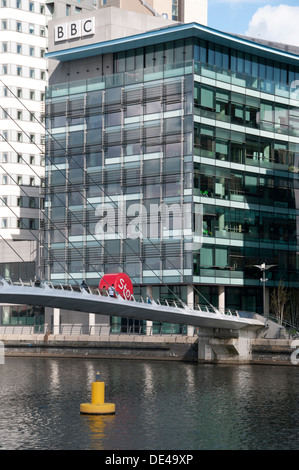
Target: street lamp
x=263, y=267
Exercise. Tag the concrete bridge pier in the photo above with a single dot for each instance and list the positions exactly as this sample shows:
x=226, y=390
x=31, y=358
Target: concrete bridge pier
x=225, y=346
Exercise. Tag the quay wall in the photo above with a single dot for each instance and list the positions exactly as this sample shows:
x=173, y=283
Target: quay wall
x=155, y=347
x=180, y=348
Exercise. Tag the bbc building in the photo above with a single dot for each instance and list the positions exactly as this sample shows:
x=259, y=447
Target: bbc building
x=172, y=154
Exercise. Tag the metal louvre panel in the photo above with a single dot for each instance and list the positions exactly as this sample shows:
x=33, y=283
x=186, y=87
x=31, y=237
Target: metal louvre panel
x=173, y=91
x=57, y=254
x=112, y=137
x=132, y=134
x=153, y=92
x=133, y=96
x=57, y=107
x=76, y=105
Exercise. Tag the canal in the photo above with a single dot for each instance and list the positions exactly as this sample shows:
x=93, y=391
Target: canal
x=159, y=405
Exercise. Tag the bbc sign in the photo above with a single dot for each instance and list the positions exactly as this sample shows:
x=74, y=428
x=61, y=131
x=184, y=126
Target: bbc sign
x=74, y=30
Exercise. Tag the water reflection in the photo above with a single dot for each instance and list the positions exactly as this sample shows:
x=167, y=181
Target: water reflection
x=96, y=428
x=159, y=405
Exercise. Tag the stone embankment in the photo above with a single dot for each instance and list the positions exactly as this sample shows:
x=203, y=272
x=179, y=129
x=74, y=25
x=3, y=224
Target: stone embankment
x=155, y=347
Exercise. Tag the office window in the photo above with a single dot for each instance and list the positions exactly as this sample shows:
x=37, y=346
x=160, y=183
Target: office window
x=20, y=137
x=19, y=26
x=31, y=51
x=18, y=4
x=19, y=114
x=31, y=73
x=4, y=69
x=32, y=95
x=31, y=6
x=19, y=93
x=43, y=31
x=19, y=48
x=4, y=24
x=31, y=29
x=4, y=47
x=19, y=71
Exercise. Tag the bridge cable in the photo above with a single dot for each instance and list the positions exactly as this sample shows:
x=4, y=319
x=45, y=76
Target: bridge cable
x=108, y=196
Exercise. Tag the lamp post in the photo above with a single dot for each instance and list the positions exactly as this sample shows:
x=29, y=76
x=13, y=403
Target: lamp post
x=263, y=267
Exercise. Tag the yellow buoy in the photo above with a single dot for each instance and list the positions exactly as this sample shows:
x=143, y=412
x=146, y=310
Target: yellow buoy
x=97, y=405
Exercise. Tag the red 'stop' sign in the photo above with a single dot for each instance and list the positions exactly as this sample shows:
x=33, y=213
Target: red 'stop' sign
x=121, y=283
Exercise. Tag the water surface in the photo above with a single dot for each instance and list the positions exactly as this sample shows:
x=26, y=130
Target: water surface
x=159, y=405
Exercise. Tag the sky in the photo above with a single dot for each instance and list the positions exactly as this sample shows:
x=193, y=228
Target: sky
x=272, y=20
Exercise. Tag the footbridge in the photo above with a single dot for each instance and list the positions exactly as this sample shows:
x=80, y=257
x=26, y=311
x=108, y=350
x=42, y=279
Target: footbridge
x=94, y=301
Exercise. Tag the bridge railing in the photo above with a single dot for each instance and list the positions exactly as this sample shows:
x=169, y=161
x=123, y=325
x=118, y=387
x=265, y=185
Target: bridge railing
x=78, y=329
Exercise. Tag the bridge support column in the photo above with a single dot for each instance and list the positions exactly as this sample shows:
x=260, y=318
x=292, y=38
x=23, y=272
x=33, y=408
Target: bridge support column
x=56, y=321
x=221, y=299
x=149, y=324
x=190, y=304
x=91, y=323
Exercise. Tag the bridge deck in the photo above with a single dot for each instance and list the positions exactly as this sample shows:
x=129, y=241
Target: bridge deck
x=86, y=301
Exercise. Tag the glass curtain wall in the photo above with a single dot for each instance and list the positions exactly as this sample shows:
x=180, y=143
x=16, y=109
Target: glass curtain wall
x=154, y=132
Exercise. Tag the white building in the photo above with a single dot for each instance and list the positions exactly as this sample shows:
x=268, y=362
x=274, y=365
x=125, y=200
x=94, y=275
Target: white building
x=23, y=78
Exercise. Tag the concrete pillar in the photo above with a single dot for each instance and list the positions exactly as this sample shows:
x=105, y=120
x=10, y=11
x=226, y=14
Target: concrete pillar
x=91, y=323
x=149, y=323
x=190, y=304
x=221, y=299
x=56, y=321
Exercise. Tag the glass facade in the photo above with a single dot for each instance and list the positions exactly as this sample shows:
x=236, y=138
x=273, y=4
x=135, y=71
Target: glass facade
x=186, y=125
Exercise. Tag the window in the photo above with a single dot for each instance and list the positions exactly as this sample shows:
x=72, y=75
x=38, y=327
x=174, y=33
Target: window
x=18, y=4
x=19, y=48
x=4, y=24
x=32, y=159
x=19, y=180
x=19, y=70
x=4, y=47
x=32, y=95
x=19, y=26
x=32, y=117
x=31, y=51
x=19, y=114
x=31, y=29
x=31, y=6
x=19, y=93
x=43, y=31
x=43, y=75
x=67, y=10
x=20, y=137
x=4, y=69
x=31, y=73
x=32, y=138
